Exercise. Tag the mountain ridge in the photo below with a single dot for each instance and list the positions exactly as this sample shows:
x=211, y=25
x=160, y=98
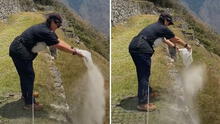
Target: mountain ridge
x=96, y=12
x=207, y=10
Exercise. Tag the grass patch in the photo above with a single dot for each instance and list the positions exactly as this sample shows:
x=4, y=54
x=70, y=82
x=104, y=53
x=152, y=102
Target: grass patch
x=14, y=27
x=9, y=80
x=123, y=70
x=124, y=81
x=72, y=71
x=87, y=34
x=71, y=68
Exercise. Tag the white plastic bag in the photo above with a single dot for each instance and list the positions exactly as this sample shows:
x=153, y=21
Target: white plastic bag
x=186, y=56
x=40, y=46
x=86, y=54
x=157, y=42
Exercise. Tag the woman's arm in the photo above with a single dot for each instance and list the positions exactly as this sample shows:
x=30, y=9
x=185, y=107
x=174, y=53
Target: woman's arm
x=181, y=42
x=63, y=46
x=169, y=43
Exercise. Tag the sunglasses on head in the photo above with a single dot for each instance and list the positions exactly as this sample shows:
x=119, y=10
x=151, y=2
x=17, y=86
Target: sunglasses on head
x=58, y=23
x=169, y=20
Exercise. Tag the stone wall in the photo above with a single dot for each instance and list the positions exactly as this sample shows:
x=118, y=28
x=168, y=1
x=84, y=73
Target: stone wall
x=122, y=9
x=8, y=7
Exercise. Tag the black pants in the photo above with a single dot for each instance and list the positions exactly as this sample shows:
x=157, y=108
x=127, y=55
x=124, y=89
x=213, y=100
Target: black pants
x=143, y=68
x=26, y=74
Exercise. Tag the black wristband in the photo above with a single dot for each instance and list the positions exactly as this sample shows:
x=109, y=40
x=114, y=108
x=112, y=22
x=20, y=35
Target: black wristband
x=74, y=52
x=186, y=45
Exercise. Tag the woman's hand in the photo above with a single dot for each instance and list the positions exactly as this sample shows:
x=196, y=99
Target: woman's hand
x=181, y=42
x=67, y=48
x=177, y=48
x=77, y=52
x=188, y=47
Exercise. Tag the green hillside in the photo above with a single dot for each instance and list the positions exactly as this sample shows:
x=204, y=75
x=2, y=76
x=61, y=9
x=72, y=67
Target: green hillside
x=70, y=67
x=207, y=36
x=92, y=38
x=124, y=82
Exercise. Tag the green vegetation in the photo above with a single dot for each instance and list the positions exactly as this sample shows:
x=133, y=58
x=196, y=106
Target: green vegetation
x=71, y=68
x=8, y=76
x=123, y=70
x=9, y=80
x=87, y=34
x=124, y=82
x=207, y=36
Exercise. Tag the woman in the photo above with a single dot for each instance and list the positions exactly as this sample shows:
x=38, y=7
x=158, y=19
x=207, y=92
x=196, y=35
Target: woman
x=141, y=49
x=24, y=48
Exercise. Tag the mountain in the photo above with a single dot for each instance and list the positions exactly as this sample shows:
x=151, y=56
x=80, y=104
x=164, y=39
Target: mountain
x=207, y=10
x=94, y=11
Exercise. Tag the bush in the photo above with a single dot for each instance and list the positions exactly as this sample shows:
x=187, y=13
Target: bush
x=44, y=2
